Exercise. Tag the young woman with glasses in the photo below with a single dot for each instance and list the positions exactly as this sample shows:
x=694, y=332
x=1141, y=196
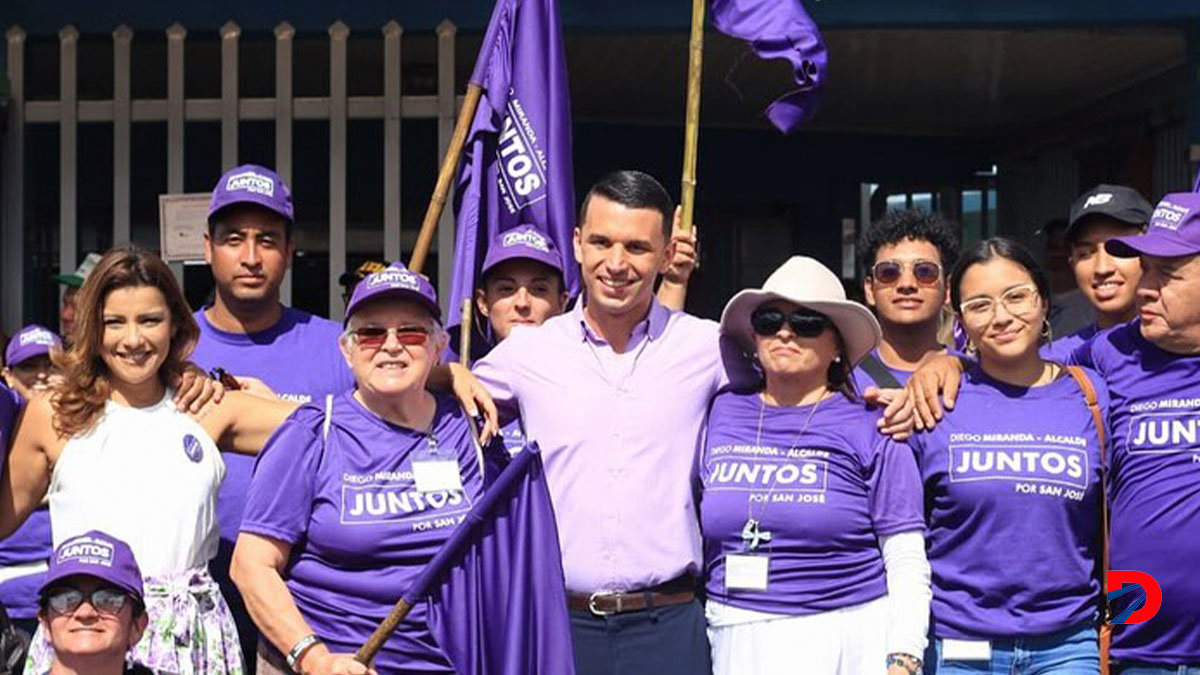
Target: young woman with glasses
x=1013, y=487
x=814, y=556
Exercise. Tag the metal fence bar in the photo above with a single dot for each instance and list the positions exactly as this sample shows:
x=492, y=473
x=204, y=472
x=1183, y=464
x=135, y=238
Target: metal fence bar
x=68, y=149
x=122, y=110
x=229, y=95
x=284, y=33
x=446, y=31
x=392, y=32
x=249, y=109
x=13, y=273
x=176, y=105
x=339, y=33
x=230, y=110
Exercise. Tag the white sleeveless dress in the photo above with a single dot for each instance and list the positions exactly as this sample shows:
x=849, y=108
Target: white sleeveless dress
x=150, y=476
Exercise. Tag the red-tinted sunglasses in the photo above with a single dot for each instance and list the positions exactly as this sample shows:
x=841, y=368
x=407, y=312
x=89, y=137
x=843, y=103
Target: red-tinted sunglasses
x=374, y=337
x=926, y=272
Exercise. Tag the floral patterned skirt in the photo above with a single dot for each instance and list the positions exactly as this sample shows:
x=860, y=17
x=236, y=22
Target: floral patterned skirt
x=191, y=631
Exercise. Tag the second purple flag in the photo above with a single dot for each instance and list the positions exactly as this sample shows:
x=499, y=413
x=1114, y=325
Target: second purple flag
x=780, y=29
x=516, y=166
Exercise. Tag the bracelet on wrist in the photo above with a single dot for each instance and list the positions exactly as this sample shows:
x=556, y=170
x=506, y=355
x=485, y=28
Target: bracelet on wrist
x=300, y=649
x=908, y=662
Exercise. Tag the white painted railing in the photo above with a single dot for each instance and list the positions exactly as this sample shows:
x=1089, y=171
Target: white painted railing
x=230, y=109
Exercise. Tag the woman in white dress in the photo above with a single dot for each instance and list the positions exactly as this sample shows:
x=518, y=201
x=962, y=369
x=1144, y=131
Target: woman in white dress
x=112, y=453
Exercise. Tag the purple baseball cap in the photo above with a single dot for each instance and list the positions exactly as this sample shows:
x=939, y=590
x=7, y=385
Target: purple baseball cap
x=398, y=281
x=524, y=241
x=1174, y=230
x=96, y=554
x=32, y=340
x=252, y=184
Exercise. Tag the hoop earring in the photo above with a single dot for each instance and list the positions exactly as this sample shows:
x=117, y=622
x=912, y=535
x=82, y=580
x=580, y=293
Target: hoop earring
x=1047, y=331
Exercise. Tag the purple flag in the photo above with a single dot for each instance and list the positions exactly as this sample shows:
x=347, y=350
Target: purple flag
x=516, y=167
x=780, y=29
x=497, y=604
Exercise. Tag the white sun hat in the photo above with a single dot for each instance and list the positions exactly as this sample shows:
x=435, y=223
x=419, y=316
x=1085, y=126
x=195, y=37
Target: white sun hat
x=805, y=282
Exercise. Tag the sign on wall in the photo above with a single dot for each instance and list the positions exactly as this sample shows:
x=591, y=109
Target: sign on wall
x=182, y=221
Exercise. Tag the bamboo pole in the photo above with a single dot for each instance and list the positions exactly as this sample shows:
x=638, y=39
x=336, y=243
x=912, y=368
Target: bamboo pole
x=449, y=165
x=691, y=134
x=464, y=331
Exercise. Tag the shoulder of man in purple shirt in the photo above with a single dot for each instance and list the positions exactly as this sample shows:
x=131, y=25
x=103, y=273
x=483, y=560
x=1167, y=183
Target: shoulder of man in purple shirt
x=1154, y=420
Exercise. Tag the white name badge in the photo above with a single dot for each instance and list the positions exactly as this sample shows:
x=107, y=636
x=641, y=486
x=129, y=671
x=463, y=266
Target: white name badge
x=966, y=650
x=746, y=572
x=436, y=475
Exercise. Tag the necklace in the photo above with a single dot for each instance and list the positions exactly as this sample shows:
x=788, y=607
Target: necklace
x=752, y=533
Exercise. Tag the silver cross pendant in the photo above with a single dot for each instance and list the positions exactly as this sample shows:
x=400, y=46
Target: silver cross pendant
x=754, y=535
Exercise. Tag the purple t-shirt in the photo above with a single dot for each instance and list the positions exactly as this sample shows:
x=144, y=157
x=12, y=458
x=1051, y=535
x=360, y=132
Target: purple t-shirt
x=826, y=498
x=31, y=542
x=1061, y=349
x=10, y=405
x=1012, y=497
x=359, y=530
x=863, y=379
x=298, y=357
x=1154, y=497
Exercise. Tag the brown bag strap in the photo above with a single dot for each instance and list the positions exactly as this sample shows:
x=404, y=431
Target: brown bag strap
x=1089, y=395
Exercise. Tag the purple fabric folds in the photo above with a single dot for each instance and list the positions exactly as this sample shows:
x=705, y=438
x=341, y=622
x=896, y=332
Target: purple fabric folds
x=780, y=29
x=496, y=600
x=516, y=167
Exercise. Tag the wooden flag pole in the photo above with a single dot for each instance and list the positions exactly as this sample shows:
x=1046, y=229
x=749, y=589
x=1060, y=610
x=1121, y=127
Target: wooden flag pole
x=449, y=165
x=374, y=643
x=691, y=136
x=401, y=609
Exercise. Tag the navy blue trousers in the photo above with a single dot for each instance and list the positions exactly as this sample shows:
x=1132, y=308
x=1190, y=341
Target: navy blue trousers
x=661, y=641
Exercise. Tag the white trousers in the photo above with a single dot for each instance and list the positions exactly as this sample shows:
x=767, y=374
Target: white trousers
x=847, y=641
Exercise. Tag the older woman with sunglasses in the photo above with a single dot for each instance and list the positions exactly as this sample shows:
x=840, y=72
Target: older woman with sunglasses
x=812, y=520
x=354, y=494
x=1013, y=487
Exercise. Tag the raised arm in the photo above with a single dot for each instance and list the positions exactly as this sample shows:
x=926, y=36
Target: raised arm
x=470, y=392
x=672, y=292
x=27, y=469
x=242, y=422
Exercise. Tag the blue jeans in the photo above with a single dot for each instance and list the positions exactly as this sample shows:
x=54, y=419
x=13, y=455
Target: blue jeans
x=1074, y=651
x=1127, y=668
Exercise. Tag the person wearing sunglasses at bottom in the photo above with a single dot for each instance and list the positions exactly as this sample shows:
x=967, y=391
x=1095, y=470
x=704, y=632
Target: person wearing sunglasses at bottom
x=905, y=256
x=355, y=493
x=1013, y=487
x=92, y=607
x=812, y=520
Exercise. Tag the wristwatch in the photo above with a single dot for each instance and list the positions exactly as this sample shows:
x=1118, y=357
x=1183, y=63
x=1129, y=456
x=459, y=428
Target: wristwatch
x=304, y=644
x=906, y=661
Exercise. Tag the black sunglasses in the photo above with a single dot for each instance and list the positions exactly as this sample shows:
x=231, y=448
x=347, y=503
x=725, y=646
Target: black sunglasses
x=766, y=321
x=65, y=600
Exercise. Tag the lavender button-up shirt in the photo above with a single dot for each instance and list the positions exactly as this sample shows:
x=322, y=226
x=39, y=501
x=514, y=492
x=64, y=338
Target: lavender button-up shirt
x=619, y=435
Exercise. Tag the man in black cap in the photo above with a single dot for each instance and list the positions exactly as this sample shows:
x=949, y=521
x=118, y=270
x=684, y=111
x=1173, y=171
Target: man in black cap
x=1108, y=283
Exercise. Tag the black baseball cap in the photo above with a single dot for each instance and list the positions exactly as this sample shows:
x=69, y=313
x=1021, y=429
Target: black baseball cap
x=1119, y=202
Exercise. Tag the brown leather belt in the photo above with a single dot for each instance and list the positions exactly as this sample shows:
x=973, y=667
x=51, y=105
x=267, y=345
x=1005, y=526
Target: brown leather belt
x=675, y=592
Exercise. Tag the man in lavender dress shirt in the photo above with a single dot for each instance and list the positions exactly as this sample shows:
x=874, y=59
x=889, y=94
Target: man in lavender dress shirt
x=616, y=392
